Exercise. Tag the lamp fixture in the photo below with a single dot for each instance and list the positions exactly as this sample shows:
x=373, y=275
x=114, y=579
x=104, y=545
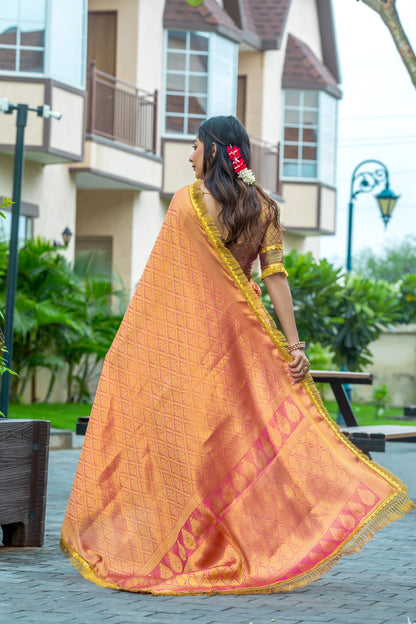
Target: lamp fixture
x=66, y=237
x=386, y=201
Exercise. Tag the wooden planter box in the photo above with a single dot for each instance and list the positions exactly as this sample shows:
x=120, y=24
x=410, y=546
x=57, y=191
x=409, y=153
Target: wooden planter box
x=24, y=454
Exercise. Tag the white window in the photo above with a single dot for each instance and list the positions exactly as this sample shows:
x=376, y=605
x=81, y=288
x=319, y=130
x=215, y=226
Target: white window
x=25, y=228
x=22, y=36
x=200, y=79
x=309, y=135
x=67, y=37
x=44, y=37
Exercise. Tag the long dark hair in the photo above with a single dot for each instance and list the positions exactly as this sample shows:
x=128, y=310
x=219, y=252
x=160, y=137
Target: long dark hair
x=241, y=203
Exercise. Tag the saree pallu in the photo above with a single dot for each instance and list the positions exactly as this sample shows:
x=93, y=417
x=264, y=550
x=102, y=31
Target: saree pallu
x=203, y=469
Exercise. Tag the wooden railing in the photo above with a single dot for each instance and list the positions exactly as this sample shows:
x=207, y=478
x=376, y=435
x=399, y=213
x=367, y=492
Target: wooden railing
x=120, y=111
x=265, y=161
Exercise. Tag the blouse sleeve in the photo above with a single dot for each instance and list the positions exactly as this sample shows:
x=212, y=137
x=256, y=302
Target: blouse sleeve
x=271, y=249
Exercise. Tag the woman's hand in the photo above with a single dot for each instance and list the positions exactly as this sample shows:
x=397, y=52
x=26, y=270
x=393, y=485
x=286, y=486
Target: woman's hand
x=299, y=367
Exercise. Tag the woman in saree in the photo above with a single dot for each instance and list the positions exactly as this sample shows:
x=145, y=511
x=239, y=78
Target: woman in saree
x=210, y=464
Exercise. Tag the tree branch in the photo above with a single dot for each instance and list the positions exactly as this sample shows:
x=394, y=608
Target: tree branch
x=388, y=13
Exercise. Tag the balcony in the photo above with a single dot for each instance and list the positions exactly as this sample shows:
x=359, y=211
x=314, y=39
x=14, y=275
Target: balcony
x=121, y=112
x=120, y=148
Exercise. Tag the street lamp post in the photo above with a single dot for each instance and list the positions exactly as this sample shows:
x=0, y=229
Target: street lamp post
x=21, y=120
x=366, y=177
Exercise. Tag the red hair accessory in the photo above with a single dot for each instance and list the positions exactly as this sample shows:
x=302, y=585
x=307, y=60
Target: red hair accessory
x=239, y=165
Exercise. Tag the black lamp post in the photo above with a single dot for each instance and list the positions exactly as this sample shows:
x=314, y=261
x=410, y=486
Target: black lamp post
x=19, y=159
x=366, y=177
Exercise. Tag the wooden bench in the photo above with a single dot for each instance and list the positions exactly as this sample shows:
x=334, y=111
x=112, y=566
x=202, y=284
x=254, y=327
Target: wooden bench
x=24, y=454
x=371, y=438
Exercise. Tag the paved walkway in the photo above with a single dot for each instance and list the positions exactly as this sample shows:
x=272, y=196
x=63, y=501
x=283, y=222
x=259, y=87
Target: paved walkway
x=378, y=586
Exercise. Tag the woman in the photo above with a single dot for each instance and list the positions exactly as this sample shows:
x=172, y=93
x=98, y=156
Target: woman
x=210, y=464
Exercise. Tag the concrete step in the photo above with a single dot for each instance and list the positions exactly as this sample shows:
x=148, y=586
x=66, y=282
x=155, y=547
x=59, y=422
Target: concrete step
x=61, y=439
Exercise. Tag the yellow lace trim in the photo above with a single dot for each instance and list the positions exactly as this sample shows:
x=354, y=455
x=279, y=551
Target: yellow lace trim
x=270, y=248
x=272, y=269
x=83, y=567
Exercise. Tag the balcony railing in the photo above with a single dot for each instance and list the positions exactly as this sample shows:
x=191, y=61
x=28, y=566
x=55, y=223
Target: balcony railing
x=120, y=111
x=265, y=159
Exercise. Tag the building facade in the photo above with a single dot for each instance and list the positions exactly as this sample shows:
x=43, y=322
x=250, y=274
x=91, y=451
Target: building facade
x=133, y=80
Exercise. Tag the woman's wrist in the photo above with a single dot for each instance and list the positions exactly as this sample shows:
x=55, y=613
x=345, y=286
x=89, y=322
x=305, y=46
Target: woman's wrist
x=296, y=345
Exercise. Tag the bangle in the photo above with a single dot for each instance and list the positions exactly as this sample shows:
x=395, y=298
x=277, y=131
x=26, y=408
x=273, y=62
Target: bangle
x=296, y=345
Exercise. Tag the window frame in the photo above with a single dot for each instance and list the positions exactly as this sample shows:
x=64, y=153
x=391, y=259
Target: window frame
x=210, y=79
x=48, y=71
x=18, y=47
x=324, y=172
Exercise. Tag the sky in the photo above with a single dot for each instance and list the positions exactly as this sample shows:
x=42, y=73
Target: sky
x=377, y=120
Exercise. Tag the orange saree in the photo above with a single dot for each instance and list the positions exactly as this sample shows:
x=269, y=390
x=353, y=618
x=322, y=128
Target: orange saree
x=203, y=468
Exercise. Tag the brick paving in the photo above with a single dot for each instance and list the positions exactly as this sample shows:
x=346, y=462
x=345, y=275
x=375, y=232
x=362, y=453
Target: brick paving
x=378, y=586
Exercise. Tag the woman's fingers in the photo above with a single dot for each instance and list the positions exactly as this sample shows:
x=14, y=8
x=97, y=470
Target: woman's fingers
x=299, y=367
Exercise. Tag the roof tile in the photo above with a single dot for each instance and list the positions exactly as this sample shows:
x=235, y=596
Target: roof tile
x=208, y=13
x=266, y=18
x=303, y=68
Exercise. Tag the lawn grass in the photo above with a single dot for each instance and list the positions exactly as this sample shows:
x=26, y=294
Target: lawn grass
x=365, y=414
x=60, y=415
x=65, y=415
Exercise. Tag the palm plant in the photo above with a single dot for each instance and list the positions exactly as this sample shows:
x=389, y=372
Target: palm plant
x=64, y=317
x=103, y=309
x=46, y=290
x=343, y=313
x=3, y=268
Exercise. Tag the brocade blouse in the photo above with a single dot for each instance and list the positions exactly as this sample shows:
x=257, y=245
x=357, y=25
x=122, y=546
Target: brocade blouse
x=267, y=242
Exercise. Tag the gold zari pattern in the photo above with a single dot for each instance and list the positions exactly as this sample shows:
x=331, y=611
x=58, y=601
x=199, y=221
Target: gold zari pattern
x=203, y=470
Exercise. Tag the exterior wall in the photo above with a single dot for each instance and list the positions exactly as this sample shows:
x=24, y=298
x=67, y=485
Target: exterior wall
x=132, y=219
x=291, y=241
x=46, y=140
x=272, y=95
x=71, y=106
x=139, y=39
x=394, y=364
x=302, y=244
x=30, y=93
x=149, y=74
x=148, y=214
x=109, y=213
x=300, y=209
x=303, y=23
x=250, y=64
x=327, y=209
x=32, y=179
x=309, y=206
x=177, y=169
x=123, y=163
x=57, y=205
x=127, y=35
x=51, y=188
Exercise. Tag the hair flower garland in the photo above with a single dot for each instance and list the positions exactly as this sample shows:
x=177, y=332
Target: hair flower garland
x=238, y=163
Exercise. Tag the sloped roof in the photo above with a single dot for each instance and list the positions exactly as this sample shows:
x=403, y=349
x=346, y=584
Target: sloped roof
x=265, y=21
x=304, y=70
x=209, y=16
x=259, y=23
